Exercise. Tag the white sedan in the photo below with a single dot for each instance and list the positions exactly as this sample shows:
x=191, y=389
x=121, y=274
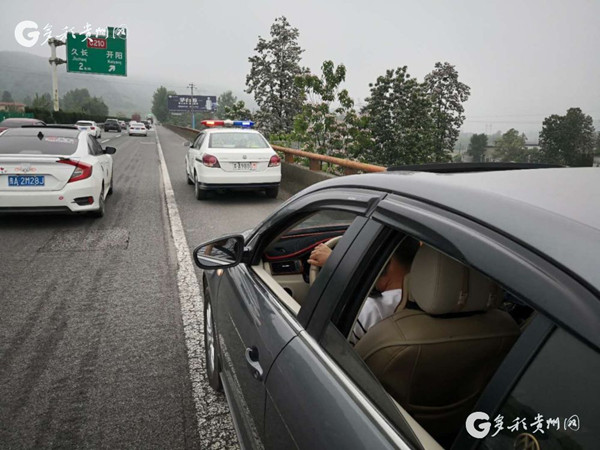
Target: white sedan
x=91, y=127
x=137, y=129
x=54, y=169
x=232, y=158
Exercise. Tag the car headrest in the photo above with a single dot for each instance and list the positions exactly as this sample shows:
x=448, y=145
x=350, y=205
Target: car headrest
x=441, y=285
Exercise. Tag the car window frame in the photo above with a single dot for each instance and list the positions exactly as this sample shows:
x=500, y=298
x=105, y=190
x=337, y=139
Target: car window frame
x=94, y=148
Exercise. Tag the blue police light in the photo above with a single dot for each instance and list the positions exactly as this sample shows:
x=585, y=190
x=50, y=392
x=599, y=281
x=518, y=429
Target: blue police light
x=243, y=123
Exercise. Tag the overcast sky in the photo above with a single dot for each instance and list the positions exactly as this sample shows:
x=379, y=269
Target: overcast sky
x=523, y=60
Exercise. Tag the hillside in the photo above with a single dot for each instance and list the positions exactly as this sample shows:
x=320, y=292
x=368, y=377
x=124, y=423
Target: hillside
x=23, y=74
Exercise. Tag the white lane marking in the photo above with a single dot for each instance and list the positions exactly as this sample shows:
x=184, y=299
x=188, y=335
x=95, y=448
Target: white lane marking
x=105, y=140
x=191, y=303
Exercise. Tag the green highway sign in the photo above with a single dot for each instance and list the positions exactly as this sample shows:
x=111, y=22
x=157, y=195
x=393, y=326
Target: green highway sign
x=98, y=54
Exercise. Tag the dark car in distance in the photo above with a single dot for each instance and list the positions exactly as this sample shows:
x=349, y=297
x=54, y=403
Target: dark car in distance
x=16, y=122
x=494, y=343
x=146, y=124
x=112, y=124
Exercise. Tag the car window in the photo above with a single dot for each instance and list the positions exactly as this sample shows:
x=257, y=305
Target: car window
x=547, y=407
x=237, y=140
x=285, y=259
x=198, y=142
x=48, y=144
x=94, y=147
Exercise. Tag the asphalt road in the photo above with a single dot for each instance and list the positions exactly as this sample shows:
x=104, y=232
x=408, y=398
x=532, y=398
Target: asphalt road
x=92, y=345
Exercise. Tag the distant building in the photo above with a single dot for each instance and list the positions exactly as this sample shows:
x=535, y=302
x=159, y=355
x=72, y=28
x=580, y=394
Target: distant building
x=12, y=106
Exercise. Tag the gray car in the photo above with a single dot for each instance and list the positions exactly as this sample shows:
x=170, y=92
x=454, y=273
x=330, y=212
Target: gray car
x=493, y=344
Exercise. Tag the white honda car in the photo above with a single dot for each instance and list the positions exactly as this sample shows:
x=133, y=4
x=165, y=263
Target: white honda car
x=53, y=169
x=232, y=158
x=91, y=127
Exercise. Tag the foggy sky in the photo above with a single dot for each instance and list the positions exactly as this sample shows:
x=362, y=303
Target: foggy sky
x=523, y=60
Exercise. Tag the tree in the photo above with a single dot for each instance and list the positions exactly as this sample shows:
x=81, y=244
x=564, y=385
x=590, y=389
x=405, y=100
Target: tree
x=225, y=100
x=477, y=146
x=75, y=99
x=319, y=127
x=42, y=102
x=511, y=147
x=94, y=106
x=27, y=100
x=237, y=111
x=273, y=70
x=568, y=139
x=399, y=120
x=160, y=104
x=447, y=95
x=7, y=97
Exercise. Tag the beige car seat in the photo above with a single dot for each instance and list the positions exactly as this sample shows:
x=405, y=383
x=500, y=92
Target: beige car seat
x=436, y=359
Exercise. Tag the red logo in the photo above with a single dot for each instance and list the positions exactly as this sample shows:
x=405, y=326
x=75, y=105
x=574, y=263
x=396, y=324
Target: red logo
x=96, y=43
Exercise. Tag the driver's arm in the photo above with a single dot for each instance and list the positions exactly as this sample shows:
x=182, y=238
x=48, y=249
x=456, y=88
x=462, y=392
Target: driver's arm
x=318, y=257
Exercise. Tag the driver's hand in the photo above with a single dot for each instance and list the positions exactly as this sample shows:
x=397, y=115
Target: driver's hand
x=318, y=257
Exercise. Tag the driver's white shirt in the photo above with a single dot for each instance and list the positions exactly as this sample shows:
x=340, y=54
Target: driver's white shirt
x=375, y=310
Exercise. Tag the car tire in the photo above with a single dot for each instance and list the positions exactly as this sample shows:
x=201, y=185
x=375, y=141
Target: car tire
x=213, y=365
x=187, y=177
x=272, y=192
x=199, y=193
x=110, y=188
x=101, y=207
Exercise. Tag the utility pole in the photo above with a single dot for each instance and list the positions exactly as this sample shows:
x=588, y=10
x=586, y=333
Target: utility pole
x=54, y=61
x=192, y=86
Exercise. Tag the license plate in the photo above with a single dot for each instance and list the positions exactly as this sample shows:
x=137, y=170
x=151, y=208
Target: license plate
x=26, y=180
x=244, y=166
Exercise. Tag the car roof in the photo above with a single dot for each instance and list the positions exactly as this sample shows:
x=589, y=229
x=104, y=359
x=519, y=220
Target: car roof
x=21, y=119
x=552, y=211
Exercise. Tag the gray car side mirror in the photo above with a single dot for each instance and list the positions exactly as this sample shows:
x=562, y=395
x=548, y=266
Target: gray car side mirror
x=220, y=253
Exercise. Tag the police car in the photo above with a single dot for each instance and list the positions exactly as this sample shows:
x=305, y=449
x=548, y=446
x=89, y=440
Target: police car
x=230, y=155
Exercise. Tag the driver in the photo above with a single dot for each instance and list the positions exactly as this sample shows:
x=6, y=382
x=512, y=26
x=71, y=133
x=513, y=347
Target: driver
x=388, y=286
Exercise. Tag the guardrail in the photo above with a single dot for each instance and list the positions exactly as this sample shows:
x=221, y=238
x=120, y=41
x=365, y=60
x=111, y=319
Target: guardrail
x=315, y=160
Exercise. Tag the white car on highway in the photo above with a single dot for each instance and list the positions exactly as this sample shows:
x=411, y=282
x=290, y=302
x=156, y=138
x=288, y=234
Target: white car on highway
x=54, y=169
x=232, y=158
x=137, y=129
x=91, y=127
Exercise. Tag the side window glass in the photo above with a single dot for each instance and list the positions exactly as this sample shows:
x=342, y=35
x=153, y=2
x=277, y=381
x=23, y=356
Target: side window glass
x=93, y=147
x=555, y=403
x=198, y=141
x=285, y=260
x=432, y=332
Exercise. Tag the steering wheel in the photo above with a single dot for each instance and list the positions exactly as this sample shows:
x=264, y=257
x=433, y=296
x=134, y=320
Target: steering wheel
x=314, y=270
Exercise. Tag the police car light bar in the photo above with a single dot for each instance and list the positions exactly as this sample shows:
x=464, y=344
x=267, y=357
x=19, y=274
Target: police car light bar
x=228, y=123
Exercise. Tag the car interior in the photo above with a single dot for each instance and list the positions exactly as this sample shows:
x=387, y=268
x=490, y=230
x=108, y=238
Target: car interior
x=452, y=320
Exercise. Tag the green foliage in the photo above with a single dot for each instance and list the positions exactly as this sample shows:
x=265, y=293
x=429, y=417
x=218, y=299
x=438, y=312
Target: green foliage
x=27, y=100
x=400, y=121
x=447, y=95
x=318, y=127
x=160, y=106
x=477, y=146
x=63, y=117
x=237, y=111
x=511, y=147
x=43, y=102
x=7, y=97
x=225, y=100
x=568, y=139
x=79, y=100
x=272, y=75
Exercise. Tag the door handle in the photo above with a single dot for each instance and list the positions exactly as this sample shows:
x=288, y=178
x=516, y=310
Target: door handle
x=253, y=364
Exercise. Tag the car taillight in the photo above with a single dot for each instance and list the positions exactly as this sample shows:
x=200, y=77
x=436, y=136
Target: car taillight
x=81, y=172
x=92, y=128
x=274, y=161
x=210, y=161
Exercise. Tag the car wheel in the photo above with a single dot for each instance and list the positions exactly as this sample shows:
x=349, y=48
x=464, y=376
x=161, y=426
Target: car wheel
x=272, y=192
x=213, y=367
x=200, y=193
x=110, y=188
x=101, y=206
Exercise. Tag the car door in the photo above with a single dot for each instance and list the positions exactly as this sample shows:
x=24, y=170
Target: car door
x=193, y=153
